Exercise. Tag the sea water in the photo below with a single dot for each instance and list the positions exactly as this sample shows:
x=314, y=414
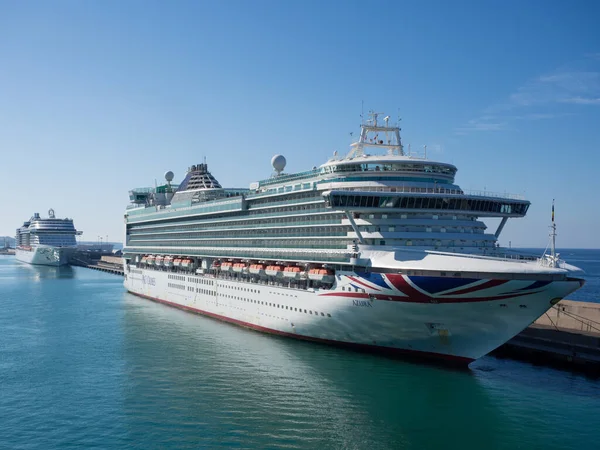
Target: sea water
x=83, y=364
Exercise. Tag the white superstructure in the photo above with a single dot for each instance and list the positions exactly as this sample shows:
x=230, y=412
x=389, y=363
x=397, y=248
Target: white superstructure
x=47, y=241
x=379, y=249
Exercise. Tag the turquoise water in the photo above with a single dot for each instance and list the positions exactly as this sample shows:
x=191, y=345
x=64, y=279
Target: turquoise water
x=85, y=365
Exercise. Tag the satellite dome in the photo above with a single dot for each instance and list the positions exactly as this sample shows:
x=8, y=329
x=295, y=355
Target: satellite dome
x=278, y=162
x=169, y=176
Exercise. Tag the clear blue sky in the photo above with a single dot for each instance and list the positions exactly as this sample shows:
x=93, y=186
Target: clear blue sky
x=99, y=97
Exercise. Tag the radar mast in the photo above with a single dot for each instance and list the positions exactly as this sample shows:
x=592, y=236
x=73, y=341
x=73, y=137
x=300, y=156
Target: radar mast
x=375, y=135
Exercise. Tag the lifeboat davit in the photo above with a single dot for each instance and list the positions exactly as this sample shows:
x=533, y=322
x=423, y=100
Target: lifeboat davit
x=257, y=269
x=293, y=272
x=226, y=266
x=274, y=271
x=321, y=274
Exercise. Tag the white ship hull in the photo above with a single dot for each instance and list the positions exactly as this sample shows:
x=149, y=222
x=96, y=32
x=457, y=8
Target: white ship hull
x=460, y=324
x=45, y=255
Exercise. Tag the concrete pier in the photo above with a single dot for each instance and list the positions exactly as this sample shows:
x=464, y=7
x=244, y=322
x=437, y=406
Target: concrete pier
x=104, y=263
x=567, y=336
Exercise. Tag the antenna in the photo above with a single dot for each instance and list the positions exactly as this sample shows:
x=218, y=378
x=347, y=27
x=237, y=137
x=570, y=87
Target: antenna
x=553, y=236
x=425, y=147
x=362, y=112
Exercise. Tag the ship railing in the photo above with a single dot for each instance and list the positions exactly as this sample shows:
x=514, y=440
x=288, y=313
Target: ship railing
x=291, y=177
x=548, y=261
x=432, y=190
x=135, y=219
x=512, y=257
x=324, y=255
x=331, y=222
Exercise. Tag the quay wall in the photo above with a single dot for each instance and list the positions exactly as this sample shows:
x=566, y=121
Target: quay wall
x=572, y=316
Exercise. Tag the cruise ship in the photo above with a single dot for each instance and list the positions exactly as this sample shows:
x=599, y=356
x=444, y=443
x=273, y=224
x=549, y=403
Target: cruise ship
x=378, y=250
x=46, y=241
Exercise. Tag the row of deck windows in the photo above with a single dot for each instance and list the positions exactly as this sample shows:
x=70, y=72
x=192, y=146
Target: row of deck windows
x=278, y=232
x=295, y=233
x=275, y=305
x=332, y=219
x=287, y=199
x=233, y=223
x=328, y=219
x=420, y=168
x=203, y=291
x=262, y=243
x=369, y=201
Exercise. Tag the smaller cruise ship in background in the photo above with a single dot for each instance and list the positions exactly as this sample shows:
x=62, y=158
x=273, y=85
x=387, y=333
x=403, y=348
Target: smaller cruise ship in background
x=46, y=241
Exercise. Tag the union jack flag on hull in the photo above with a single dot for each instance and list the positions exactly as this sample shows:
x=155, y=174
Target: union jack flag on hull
x=430, y=289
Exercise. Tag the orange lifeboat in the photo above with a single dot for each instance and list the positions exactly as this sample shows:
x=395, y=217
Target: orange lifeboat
x=257, y=269
x=226, y=266
x=168, y=261
x=159, y=260
x=274, y=271
x=239, y=267
x=144, y=259
x=177, y=262
x=186, y=263
x=215, y=265
x=293, y=272
x=150, y=260
x=321, y=274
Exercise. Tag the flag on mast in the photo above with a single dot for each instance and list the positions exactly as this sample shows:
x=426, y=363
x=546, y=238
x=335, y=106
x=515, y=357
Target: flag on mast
x=552, y=210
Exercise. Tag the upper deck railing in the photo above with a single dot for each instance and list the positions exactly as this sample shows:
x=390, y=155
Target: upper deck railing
x=434, y=190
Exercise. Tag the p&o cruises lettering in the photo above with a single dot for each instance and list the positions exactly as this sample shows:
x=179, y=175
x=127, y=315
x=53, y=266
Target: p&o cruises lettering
x=149, y=280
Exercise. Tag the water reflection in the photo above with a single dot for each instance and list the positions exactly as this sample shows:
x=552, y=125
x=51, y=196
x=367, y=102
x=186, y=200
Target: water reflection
x=37, y=272
x=205, y=383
